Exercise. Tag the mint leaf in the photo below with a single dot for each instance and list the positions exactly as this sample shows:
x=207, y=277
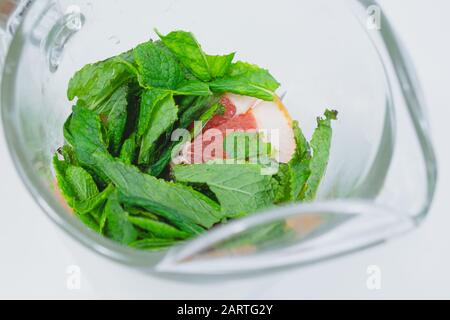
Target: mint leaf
x=160, y=112
x=94, y=83
x=248, y=80
x=292, y=176
x=157, y=67
x=84, y=133
x=283, y=184
x=300, y=163
x=184, y=102
x=186, y=48
x=117, y=225
x=157, y=168
x=203, y=120
x=68, y=154
x=76, y=184
x=90, y=222
x=201, y=105
x=113, y=113
x=158, y=229
x=129, y=149
x=149, y=100
x=93, y=203
x=241, y=189
x=137, y=212
x=192, y=88
x=60, y=171
x=180, y=204
x=320, y=144
x=81, y=182
x=219, y=65
x=152, y=244
x=80, y=191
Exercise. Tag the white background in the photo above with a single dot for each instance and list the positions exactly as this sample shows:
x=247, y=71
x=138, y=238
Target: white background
x=35, y=254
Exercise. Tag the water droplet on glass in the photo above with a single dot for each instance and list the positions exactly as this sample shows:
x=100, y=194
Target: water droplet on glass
x=114, y=39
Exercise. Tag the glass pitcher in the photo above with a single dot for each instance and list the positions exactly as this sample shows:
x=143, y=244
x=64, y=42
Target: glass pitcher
x=326, y=53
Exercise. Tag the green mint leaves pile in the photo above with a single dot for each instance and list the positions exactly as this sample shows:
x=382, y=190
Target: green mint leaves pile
x=114, y=170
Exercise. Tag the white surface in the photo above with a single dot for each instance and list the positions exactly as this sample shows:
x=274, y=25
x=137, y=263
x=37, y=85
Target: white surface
x=35, y=254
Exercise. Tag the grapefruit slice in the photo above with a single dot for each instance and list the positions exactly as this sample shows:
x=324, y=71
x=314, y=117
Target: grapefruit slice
x=243, y=114
x=241, y=103
x=275, y=123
